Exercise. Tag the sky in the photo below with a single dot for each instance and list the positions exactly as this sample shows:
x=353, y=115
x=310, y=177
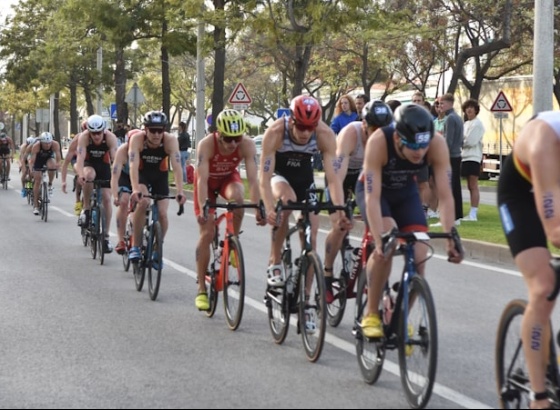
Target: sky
x=5, y=6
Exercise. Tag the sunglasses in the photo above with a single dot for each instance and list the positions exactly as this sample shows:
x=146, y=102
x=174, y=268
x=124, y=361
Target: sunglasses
x=229, y=140
x=303, y=128
x=414, y=146
x=96, y=133
x=156, y=130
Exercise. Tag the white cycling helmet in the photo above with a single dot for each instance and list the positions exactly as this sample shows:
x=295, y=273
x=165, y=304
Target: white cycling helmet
x=46, y=138
x=30, y=141
x=95, y=123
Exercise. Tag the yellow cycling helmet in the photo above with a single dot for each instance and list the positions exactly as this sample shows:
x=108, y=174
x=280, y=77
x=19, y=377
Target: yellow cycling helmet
x=230, y=123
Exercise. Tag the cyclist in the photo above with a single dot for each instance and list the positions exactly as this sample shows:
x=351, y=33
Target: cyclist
x=121, y=188
x=7, y=149
x=529, y=203
x=350, y=147
x=394, y=155
x=286, y=171
x=219, y=155
x=148, y=153
x=45, y=153
x=96, y=152
x=24, y=152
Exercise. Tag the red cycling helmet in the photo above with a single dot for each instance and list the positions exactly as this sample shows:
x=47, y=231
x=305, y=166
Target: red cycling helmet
x=306, y=111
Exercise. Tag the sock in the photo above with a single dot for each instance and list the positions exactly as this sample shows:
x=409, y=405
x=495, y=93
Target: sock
x=474, y=211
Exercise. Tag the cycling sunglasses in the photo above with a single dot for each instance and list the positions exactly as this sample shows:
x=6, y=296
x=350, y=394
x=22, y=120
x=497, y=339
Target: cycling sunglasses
x=229, y=140
x=415, y=146
x=302, y=127
x=156, y=130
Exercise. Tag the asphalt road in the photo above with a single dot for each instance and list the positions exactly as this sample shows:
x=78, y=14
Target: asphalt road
x=75, y=334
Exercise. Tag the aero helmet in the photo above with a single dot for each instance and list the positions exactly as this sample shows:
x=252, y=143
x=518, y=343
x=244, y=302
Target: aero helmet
x=46, y=138
x=305, y=111
x=414, y=125
x=230, y=123
x=155, y=119
x=377, y=114
x=95, y=123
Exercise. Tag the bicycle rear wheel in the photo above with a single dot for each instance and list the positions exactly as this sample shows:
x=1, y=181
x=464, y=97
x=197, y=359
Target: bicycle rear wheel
x=234, y=284
x=335, y=310
x=418, y=356
x=370, y=354
x=312, y=307
x=155, y=262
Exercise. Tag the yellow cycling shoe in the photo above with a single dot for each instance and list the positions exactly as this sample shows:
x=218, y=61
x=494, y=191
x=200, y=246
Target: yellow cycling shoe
x=78, y=208
x=372, y=327
x=202, y=302
x=232, y=260
x=409, y=348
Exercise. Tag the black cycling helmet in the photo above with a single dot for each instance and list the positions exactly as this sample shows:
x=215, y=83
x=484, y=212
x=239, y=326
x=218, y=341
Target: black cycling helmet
x=155, y=119
x=415, y=125
x=377, y=114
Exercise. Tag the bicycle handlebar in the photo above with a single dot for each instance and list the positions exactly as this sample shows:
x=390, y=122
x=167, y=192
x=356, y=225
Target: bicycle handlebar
x=231, y=206
x=390, y=239
x=555, y=265
x=313, y=206
x=157, y=198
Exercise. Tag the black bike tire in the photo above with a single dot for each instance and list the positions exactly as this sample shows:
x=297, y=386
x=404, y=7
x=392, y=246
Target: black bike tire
x=279, y=329
x=102, y=233
x=313, y=353
x=127, y=238
x=154, y=275
x=213, y=294
x=234, y=316
x=371, y=373
x=44, y=202
x=5, y=174
x=94, y=232
x=420, y=289
x=335, y=310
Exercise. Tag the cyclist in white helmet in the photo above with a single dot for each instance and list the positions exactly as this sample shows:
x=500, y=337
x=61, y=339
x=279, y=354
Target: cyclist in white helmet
x=96, y=152
x=45, y=153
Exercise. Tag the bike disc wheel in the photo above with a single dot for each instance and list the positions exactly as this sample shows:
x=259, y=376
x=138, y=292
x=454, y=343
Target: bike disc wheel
x=234, y=284
x=370, y=354
x=418, y=356
x=156, y=257
x=312, y=307
x=335, y=310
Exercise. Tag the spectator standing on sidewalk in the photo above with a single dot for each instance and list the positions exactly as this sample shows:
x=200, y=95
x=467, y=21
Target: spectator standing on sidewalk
x=184, y=146
x=453, y=134
x=472, y=154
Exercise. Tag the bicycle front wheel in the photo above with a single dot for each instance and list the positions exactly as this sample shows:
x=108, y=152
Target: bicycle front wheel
x=335, y=310
x=234, y=284
x=370, y=354
x=102, y=234
x=155, y=262
x=418, y=344
x=128, y=243
x=45, y=202
x=312, y=307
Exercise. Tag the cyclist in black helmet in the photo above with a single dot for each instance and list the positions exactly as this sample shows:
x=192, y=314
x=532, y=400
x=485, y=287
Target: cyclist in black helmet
x=350, y=148
x=393, y=157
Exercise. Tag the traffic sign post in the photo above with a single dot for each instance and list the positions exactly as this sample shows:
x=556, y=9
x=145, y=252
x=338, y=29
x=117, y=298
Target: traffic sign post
x=500, y=108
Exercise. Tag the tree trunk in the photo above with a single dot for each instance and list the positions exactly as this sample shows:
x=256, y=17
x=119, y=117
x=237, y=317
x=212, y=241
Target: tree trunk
x=219, y=66
x=120, y=84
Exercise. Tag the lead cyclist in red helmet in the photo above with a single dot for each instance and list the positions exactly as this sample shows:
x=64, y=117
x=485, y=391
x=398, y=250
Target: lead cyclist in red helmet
x=287, y=173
